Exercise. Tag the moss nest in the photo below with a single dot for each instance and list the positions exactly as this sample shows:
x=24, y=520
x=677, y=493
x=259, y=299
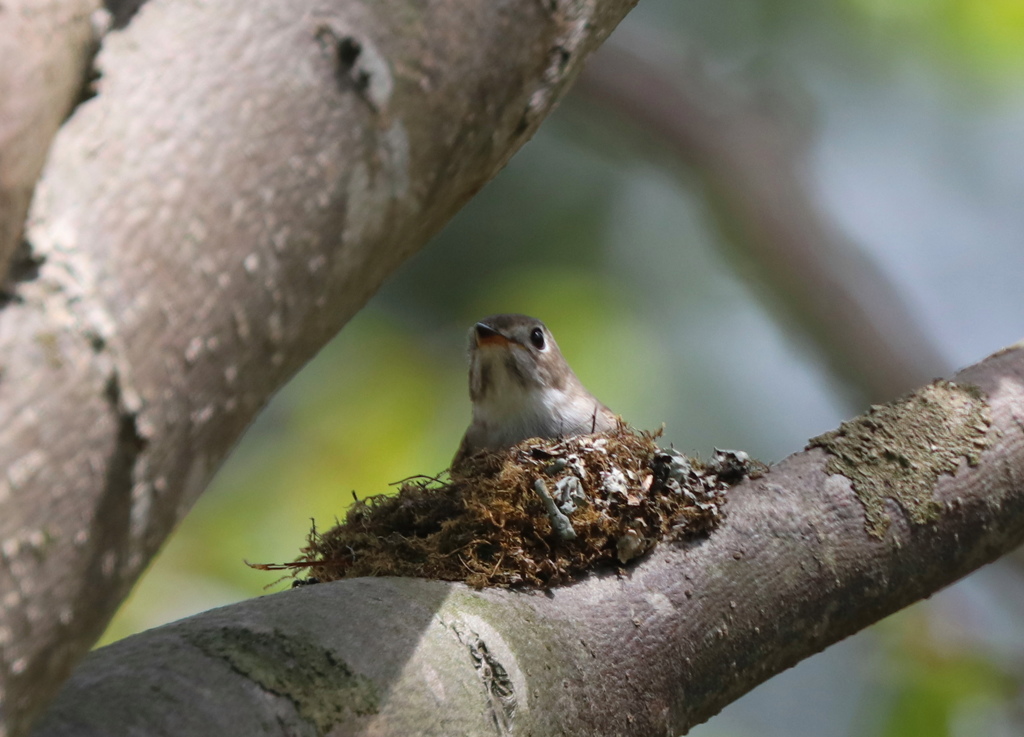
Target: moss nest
x=539, y=514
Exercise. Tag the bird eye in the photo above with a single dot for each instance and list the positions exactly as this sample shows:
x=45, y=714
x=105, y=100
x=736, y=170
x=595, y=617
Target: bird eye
x=537, y=338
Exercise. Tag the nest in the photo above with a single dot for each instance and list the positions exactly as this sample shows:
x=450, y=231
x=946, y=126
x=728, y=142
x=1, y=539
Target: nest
x=538, y=514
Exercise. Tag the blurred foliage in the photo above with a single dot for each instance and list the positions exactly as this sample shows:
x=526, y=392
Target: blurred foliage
x=983, y=36
x=934, y=688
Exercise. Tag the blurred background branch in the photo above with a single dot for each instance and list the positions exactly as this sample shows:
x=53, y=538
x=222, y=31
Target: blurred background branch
x=749, y=154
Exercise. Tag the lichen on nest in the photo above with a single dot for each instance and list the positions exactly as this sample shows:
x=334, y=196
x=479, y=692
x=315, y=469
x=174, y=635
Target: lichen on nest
x=539, y=514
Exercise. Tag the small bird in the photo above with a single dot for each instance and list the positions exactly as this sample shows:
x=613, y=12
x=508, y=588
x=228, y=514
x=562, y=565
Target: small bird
x=522, y=387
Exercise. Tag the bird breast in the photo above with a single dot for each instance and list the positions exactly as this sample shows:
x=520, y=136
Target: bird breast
x=504, y=418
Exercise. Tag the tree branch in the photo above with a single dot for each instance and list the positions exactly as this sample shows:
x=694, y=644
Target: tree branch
x=753, y=166
x=248, y=174
x=794, y=568
x=46, y=50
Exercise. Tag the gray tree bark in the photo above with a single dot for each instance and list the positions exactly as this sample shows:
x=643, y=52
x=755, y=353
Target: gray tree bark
x=807, y=555
x=248, y=174
x=45, y=52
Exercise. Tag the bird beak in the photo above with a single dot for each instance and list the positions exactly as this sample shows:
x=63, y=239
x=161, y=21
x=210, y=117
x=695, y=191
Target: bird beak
x=486, y=335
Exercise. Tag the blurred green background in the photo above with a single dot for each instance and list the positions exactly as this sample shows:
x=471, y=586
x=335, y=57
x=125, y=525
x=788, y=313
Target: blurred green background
x=912, y=115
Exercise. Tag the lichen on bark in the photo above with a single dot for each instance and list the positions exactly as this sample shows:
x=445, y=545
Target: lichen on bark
x=899, y=450
x=324, y=689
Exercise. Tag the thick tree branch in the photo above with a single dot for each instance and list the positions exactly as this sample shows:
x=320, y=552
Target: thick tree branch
x=753, y=164
x=248, y=174
x=45, y=52
x=654, y=651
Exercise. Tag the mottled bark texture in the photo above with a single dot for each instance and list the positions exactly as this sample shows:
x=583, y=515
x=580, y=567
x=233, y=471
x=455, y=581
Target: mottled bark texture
x=245, y=178
x=796, y=566
x=45, y=52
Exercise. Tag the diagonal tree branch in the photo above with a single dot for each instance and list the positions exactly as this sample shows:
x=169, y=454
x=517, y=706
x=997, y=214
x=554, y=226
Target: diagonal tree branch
x=46, y=50
x=248, y=174
x=753, y=166
x=796, y=566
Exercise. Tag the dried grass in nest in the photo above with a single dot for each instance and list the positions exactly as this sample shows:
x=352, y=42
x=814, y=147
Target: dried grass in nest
x=612, y=496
